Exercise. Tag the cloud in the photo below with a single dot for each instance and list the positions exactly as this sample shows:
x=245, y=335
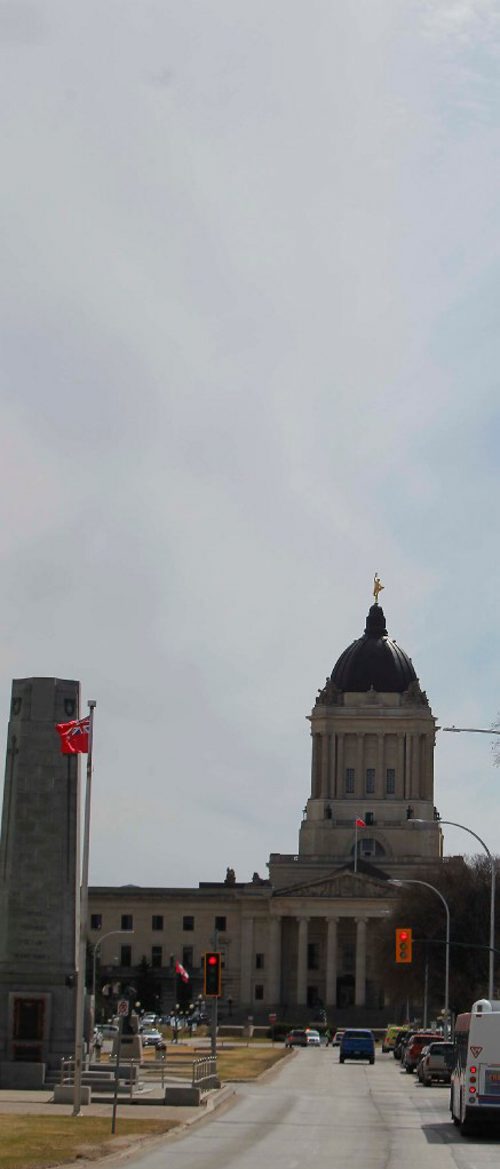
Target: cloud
x=250, y=343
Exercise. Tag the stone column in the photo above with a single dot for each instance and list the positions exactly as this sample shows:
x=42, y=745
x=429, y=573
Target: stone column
x=408, y=766
x=274, y=982
x=428, y=791
x=331, y=961
x=400, y=768
x=325, y=766
x=246, y=960
x=380, y=774
x=360, y=986
x=339, y=770
x=314, y=766
x=415, y=766
x=359, y=781
x=302, y=961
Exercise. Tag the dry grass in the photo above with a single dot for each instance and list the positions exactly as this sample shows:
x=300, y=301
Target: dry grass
x=246, y=1063
x=44, y=1142
x=39, y=1142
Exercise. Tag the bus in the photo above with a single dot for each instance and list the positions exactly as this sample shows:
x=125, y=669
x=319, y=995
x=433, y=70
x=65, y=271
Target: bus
x=475, y=1078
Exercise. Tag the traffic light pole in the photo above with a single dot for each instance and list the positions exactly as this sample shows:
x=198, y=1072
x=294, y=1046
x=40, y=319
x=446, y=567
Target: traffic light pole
x=213, y=1044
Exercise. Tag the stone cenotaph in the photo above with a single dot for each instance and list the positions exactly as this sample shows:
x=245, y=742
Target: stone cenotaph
x=39, y=884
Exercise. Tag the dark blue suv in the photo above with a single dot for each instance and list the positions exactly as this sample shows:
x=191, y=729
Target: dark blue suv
x=357, y=1044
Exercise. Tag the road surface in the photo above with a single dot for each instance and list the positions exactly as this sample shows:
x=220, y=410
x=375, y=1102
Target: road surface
x=314, y=1112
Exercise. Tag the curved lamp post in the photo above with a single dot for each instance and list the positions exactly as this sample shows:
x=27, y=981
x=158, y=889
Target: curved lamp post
x=411, y=881
x=453, y=824
x=97, y=945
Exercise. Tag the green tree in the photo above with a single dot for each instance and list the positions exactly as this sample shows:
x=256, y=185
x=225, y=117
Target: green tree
x=466, y=887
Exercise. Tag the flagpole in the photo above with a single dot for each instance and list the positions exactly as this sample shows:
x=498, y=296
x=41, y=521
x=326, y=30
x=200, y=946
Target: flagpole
x=84, y=897
x=355, y=845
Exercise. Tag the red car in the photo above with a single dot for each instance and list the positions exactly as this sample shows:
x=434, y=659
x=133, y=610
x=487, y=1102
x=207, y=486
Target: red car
x=296, y=1038
x=414, y=1048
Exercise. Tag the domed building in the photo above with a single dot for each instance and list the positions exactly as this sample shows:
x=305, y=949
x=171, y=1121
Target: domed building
x=302, y=940
x=373, y=737
x=306, y=936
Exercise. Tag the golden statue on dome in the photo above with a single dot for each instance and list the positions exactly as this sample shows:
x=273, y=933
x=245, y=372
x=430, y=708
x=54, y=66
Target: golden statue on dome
x=377, y=587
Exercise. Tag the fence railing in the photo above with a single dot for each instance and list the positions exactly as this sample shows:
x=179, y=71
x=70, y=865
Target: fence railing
x=200, y=1073
x=204, y=1072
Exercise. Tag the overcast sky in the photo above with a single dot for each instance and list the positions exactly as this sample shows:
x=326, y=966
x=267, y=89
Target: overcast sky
x=250, y=355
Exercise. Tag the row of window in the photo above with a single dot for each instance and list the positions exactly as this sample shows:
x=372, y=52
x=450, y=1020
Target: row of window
x=390, y=781
x=159, y=958
x=313, y=957
x=157, y=922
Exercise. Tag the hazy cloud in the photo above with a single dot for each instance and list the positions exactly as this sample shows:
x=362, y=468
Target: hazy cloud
x=250, y=343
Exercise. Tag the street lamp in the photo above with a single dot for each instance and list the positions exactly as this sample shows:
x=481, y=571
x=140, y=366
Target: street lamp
x=491, y=966
x=97, y=945
x=471, y=730
x=92, y=1000
x=411, y=881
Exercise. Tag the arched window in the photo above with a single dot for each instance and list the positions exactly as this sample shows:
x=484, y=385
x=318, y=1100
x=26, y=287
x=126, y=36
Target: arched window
x=368, y=847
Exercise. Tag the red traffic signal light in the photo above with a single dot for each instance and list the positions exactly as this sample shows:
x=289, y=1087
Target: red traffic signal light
x=404, y=945
x=212, y=974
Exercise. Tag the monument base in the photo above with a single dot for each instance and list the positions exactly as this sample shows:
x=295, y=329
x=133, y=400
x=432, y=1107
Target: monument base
x=22, y=1074
x=130, y=1047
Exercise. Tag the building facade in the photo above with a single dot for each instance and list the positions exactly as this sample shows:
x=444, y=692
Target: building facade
x=307, y=934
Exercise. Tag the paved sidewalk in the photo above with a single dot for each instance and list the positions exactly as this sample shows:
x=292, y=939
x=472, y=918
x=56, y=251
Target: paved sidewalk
x=38, y=1103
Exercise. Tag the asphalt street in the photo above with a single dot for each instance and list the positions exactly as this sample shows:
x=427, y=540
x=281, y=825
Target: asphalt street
x=312, y=1111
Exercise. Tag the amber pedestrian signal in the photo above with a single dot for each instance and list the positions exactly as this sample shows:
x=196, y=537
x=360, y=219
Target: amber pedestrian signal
x=212, y=974
x=404, y=945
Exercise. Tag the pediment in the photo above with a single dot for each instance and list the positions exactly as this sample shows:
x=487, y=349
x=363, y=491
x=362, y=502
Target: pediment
x=340, y=884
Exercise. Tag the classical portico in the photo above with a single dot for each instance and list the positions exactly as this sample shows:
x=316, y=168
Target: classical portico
x=318, y=935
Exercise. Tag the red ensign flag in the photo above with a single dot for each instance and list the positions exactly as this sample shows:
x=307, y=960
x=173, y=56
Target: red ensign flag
x=183, y=973
x=360, y=823
x=74, y=736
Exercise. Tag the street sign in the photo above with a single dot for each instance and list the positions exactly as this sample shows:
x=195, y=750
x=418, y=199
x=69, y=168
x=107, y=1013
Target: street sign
x=272, y=1018
x=122, y=1007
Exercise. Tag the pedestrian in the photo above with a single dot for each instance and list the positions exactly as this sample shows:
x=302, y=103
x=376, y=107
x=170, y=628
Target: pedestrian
x=328, y=1036
x=98, y=1045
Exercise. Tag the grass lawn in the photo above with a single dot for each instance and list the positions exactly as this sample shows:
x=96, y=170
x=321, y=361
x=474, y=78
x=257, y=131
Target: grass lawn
x=43, y=1142
x=37, y=1142
x=246, y=1063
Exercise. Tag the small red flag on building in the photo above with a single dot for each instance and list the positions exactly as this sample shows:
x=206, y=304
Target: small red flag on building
x=360, y=823
x=74, y=736
x=179, y=969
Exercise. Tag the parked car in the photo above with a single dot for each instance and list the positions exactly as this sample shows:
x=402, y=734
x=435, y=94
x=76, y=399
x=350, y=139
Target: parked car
x=153, y=1038
x=108, y=1030
x=296, y=1038
x=436, y=1063
x=337, y=1037
x=356, y=1043
x=313, y=1037
x=401, y=1042
x=393, y=1032
x=413, y=1049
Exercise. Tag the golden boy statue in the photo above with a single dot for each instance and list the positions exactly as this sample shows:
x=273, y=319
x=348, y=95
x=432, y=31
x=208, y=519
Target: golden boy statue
x=377, y=587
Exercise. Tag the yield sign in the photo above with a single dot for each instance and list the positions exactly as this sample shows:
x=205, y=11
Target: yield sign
x=476, y=1051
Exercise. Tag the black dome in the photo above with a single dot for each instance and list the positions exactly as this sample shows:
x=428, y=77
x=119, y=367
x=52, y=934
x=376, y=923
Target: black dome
x=374, y=660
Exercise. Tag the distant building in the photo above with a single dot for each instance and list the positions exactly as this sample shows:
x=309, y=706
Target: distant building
x=305, y=936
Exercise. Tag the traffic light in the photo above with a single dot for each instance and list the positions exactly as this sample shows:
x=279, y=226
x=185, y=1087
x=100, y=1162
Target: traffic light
x=404, y=944
x=212, y=974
